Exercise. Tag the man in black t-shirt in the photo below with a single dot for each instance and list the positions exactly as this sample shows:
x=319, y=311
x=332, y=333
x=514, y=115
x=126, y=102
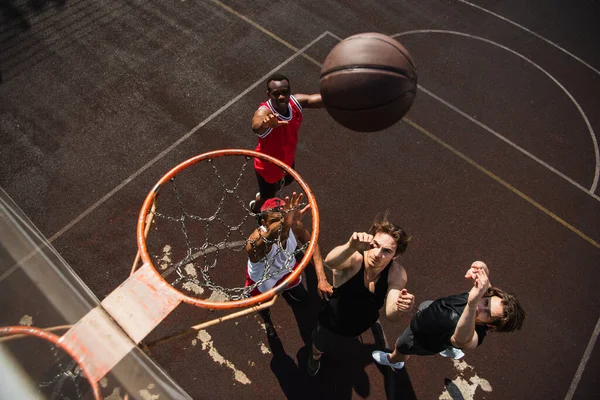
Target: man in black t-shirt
x=366, y=278
x=453, y=323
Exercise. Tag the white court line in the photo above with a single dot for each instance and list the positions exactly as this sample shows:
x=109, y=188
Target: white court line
x=499, y=136
x=181, y=140
x=583, y=115
x=531, y=32
x=586, y=356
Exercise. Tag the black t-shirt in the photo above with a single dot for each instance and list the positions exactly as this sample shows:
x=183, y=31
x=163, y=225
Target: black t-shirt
x=352, y=308
x=434, y=326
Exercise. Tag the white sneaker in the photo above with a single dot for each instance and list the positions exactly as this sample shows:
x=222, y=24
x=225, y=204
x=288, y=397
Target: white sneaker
x=453, y=352
x=253, y=202
x=381, y=357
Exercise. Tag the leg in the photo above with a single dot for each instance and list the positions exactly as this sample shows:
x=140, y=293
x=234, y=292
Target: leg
x=396, y=356
x=288, y=179
x=323, y=341
x=266, y=191
x=401, y=352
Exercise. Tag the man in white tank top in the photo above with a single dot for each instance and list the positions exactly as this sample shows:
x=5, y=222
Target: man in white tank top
x=272, y=246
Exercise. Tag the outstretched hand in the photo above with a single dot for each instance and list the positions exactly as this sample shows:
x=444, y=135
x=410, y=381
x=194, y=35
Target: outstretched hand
x=481, y=284
x=271, y=121
x=361, y=241
x=470, y=274
x=405, y=301
x=292, y=211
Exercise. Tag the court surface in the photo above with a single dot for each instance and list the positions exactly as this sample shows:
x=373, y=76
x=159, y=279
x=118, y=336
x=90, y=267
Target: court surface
x=496, y=161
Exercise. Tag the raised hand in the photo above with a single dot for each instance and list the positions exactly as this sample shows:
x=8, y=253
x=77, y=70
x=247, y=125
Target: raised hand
x=292, y=212
x=470, y=274
x=405, y=301
x=361, y=241
x=271, y=121
x=481, y=284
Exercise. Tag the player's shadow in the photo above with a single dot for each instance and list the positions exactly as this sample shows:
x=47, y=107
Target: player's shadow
x=397, y=382
x=453, y=390
x=12, y=16
x=342, y=370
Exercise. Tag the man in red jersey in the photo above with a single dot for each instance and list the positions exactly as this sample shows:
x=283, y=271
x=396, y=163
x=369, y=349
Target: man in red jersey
x=276, y=124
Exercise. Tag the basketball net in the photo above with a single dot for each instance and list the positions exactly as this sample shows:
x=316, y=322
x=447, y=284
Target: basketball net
x=202, y=250
x=205, y=224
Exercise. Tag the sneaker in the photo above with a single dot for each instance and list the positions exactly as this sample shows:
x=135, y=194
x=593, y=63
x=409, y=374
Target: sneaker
x=381, y=357
x=298, y=293
x=312, y=366
x=253, y=203
x=453, y=352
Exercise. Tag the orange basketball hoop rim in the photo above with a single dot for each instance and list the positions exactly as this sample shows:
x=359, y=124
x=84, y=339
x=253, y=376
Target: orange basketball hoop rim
x=75, y=354
x=146, y=207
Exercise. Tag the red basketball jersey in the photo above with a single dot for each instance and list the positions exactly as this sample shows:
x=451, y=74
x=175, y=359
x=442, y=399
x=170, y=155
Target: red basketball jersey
x=279, y=142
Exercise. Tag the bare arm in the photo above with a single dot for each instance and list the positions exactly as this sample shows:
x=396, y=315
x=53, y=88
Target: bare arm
x=465, y=336
x=398, y=300
x=342, y=257
x=325, y=289
x=263, y=120
x=310, y=100
x=257, y=245
x=349, y=255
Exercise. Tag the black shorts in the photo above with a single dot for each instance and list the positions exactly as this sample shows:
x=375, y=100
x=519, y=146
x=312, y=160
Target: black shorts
x=324, y=339
x=406, y=342
x=269, y=190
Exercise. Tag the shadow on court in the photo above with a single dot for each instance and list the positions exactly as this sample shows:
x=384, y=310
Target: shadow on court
x=397, y=384
x=342, y=370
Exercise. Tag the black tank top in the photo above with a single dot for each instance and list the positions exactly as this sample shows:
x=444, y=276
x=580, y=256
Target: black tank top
x=352, y=308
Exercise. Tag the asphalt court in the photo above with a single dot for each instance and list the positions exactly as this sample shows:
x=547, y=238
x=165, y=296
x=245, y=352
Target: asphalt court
x=150, y=85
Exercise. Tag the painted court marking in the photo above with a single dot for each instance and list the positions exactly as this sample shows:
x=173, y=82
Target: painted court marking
x=510, y=21
x=503, y=183
x=182, y=139
x=586, y=356
x=514, y=190
x=569, y=95
x=516, y=146
x=204, y=337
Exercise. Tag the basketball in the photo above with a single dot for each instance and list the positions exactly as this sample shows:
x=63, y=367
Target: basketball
x=368, y=82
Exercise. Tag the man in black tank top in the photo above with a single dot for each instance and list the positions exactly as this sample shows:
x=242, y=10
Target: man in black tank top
x=366, y=277
x=453, y=323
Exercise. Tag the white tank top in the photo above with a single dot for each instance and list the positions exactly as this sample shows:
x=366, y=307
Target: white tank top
x=281, y=263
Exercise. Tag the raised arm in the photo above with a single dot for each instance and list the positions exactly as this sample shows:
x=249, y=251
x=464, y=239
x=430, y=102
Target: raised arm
x=258, y=244
x=263, y=120
x=310, y=100
x=325, y=289
x=398, y=300
x=348, y=255
x=465, y=336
